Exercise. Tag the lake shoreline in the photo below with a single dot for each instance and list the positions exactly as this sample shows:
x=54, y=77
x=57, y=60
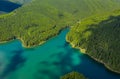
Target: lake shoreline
x=83, y=51
x=40, y=43
x=23, y=44
x=73, y=46
x=55, y=47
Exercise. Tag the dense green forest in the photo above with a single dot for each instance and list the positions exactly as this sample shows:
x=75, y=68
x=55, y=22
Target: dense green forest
x=100, y=37
x=73, y=75
x=37, y=21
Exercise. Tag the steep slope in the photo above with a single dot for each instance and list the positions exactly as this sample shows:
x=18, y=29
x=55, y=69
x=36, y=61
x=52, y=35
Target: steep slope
x=99, y=37
x=39, y=20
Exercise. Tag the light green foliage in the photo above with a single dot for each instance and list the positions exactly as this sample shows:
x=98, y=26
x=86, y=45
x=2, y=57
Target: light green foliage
x=39, y=20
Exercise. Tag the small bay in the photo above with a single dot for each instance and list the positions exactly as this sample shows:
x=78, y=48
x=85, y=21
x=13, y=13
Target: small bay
x=48, y=61
x=6, y=6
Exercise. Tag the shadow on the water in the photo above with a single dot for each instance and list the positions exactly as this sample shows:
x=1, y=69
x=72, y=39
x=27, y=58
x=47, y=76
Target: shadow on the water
x=61, y=62
x=16, y=62
x=65, y=64
x=7, y=6
x=64, y=45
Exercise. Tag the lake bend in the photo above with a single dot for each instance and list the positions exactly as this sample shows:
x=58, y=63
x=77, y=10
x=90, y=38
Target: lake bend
x=48, y=61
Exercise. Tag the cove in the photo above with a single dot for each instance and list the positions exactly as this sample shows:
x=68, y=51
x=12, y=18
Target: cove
x=7, y=6
x=48, y=61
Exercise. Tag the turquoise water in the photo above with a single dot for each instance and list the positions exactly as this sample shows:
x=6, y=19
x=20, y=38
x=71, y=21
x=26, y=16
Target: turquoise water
x=48, y=61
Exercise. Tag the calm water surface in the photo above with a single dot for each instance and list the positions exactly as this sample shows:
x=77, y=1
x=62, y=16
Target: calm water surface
x=48, y=61
x=7, y=6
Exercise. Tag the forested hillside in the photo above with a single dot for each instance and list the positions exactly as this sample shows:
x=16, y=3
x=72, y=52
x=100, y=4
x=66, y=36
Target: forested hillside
x=39, y=20
x=99, y=37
